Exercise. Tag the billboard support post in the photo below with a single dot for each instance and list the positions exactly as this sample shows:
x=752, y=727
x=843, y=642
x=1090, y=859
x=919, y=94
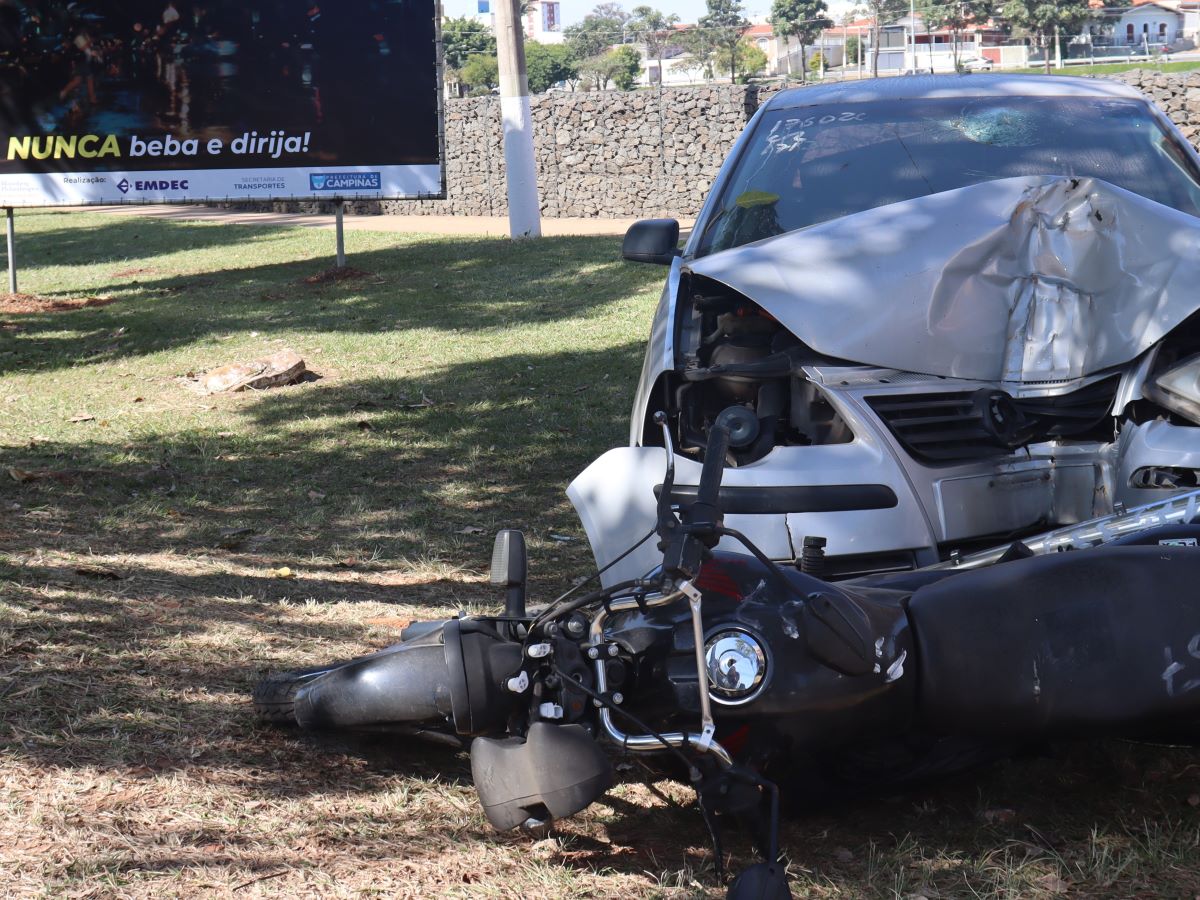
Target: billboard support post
x=339, y=210
x=12, y=246
x=520, y=168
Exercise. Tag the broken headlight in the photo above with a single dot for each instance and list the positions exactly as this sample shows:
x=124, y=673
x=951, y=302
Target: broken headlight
x=1178, y=389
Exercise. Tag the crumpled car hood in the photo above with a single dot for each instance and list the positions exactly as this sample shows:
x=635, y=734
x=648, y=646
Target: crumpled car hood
x=1020, y=279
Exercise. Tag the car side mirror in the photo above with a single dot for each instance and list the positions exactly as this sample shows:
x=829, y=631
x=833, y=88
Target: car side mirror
x=651, y=241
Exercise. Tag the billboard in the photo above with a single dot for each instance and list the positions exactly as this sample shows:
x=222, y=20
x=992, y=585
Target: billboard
x=142, y=101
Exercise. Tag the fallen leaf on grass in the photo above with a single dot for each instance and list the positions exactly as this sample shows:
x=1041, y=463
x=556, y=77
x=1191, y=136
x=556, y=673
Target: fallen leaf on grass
x=1052, y=884
x=82, y=417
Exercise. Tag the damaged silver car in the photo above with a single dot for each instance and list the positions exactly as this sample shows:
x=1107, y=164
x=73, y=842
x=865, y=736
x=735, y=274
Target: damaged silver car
x=962, y=310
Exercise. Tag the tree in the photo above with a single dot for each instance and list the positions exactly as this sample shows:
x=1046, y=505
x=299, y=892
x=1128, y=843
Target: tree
x=955, y=15
x=620, y=67
x=750, y=60
x=463, y=38
x=718, y=32
x=1046, y=17
x=548, y=64
x=656, y=31
x=597, y=31
x=882, y=12
x=480, y=74
x=802, y=20
x=853, y=48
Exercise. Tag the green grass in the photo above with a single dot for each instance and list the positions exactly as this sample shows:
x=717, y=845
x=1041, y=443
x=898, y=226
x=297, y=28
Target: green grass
x=1109, y=68
x=463, y=383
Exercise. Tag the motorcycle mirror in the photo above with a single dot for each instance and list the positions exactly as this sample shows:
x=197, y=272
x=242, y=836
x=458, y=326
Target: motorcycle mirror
x=510, y=569
x=764, y=881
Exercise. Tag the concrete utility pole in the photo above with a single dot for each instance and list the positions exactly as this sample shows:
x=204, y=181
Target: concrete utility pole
x=524, y=209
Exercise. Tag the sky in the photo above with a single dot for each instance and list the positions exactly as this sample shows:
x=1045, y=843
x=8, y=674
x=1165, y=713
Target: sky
x=687, y=10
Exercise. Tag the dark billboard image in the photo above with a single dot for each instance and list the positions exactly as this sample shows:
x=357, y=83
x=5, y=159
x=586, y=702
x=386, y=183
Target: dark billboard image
x=167, y=100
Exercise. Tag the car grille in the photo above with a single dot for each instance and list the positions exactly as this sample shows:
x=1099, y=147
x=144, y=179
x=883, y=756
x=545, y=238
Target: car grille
x=952, y=426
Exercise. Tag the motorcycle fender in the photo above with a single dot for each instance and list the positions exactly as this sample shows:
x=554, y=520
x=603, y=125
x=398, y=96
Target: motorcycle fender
x=555, y=771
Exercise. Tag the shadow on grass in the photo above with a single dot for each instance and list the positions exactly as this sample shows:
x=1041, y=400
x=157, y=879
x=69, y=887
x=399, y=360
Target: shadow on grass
x=391, y=467
x=461, y=284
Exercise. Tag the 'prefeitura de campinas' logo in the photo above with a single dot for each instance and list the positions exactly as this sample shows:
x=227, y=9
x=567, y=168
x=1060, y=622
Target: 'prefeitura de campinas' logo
x=345, y=181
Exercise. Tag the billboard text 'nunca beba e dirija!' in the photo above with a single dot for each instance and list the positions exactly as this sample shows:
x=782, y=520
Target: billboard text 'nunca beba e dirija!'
x=108, y=101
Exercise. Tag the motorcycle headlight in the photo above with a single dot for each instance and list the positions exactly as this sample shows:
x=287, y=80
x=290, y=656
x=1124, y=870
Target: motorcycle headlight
x=1178, y=389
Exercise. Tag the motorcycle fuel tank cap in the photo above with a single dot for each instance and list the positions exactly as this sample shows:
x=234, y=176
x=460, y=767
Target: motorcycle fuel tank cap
x=737, y=666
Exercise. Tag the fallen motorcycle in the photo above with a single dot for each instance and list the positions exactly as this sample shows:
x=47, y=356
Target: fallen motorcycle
x=747, y=672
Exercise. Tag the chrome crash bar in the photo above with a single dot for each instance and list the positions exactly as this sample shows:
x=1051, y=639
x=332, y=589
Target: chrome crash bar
x=1181, y=509
x=652, y=743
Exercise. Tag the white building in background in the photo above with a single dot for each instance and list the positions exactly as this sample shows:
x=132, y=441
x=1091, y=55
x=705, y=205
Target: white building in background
x=543, y=22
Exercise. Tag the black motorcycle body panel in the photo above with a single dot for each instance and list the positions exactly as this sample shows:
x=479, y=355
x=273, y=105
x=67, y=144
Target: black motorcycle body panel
x=1097, y=642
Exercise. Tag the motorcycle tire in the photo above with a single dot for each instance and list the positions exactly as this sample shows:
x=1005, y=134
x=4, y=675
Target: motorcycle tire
x=275, y=696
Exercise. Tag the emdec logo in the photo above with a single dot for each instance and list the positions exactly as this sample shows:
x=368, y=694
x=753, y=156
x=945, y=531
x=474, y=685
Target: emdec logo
x=124, y=185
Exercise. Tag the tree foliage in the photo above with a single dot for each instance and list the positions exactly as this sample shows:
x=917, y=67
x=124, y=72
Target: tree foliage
x=750, y=60
x=597, y=31
x=619, y=67
x=853, y=46
x=955, y=15
x=1046, y=17
x=548, y=64
x=656, y=30
x=715, y=39
x=481, y=73
x=463, y=38
x=800, y=19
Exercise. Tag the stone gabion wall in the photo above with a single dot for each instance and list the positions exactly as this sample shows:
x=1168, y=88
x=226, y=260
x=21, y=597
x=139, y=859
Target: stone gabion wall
x=1176, y=93
x=639, y=153
x=608, y=153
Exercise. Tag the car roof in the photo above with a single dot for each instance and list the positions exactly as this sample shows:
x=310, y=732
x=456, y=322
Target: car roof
x=922, y=87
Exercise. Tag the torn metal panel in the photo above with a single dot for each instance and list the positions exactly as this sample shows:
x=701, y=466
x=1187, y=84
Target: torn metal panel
x=1020, y=279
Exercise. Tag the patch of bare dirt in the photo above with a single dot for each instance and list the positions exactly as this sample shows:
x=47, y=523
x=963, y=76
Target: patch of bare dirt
x=27, y=304
x=138, y=270
x=335, y=275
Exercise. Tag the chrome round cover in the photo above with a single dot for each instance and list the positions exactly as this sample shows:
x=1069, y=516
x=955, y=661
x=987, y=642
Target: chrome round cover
x=737, y=666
